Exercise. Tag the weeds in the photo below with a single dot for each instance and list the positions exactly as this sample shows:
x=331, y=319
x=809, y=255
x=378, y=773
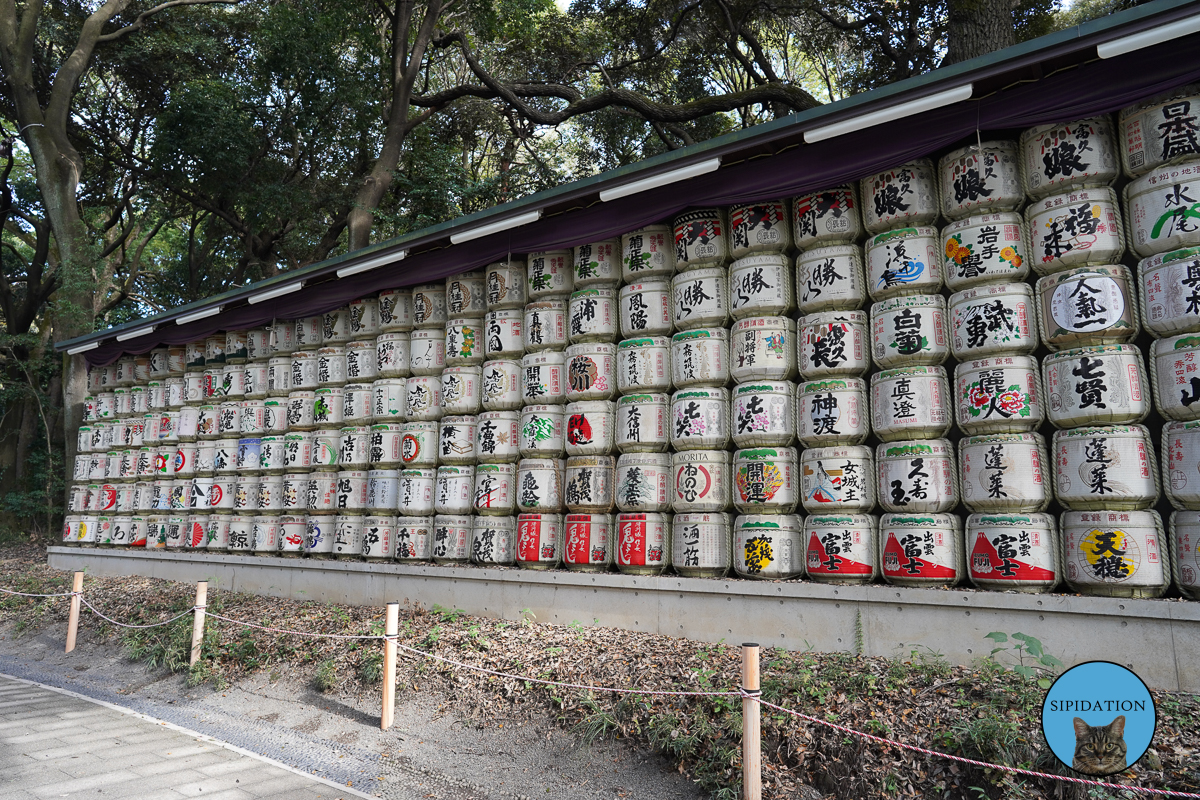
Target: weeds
x=325, y=678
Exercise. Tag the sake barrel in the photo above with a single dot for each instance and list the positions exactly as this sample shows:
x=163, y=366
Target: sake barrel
x=270, y=493
x=981, y=177
x=762, y=227
x=904, y=261
x=701, y=481
x=388, y=445
x=1185, y=552
x=763, y=349
x=592, y=315
x=1074, y=229
x=283, y=338
x=495, y=490
x=466, y=295
x=545, y=326
x=644, y=365
x=502, y=333
x=379, y=537
x=1181, y=463
x=999, y=395
x=1115, y=553
x=591, y=370
x=766, y=480
x=764, y=414
x=214, y=353
x=1069, y=155
x=1013, y=552
x=542, y=431
x=358, y=402
x=461, y=390
x=452, y=539
x=362, y=360
x=304, y=370
x=295, y=495
x=992, y=320
x=921, y=550
x=176, y=391
x=768, y=546
x=700, y=419
x=354, y=446
x=423, y=398
x=597, y=264
x=643, y=543
x=416, y=492
x=241, y=534
x=1170, y=299
x=1111, y=467
x=589, y=541
x=643, y=482
x=279, y=376
x=549, y=274
x=414, y=538
x=1087, y=306
x=249, y=453
x=329, y=402
x=392, y=354
x=826, y=217
x=544, y=379
x=225, y=455
x=648, y=253
x=917, y=477
x=760, y=286
x=1004, y=473
x=540, y=536
x=246, y=494
x=364, y=319
x=253, y=417
x=299, y=411
x=396, y=310
x=267, y=533
x=910, y=403
x=837, y=479
x=272, y=453
x=590, y=427
x=331, y=366
x=464, y=342
x=502, y=387
x=645, y=309
x=176, y=533
x=834, y=343
x=347, y=540
x=159, y=368
x=643, y=423
x=429, y=305
x=700, y=357
x=700, y=298
x=505, y=283
x=588, y=484
x=497, y=439
x=701, y=545
x=456, y=439
x=906, y=195
x=217, y=533
x=909, y=331
x=841, y=548
x=383, y=491
x=539, y=485
x=335, y=326
x=833, y=411
x=70, y=531
x=427, y=351
x=454, y=492
x=1162, y=208
x=830, y=278
x=1096, y=385
x=701, y=238
x=1160, y=130
x=1175, y=375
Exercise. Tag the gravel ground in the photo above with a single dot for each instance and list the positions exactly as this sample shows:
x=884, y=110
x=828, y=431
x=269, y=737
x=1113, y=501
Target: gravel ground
x=428, y=753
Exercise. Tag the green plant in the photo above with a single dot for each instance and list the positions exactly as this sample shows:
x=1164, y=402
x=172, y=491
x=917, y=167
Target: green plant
x=1032, y=661
x=325, y=678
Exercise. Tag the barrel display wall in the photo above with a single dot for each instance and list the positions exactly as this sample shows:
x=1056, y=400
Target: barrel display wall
x=976, y=369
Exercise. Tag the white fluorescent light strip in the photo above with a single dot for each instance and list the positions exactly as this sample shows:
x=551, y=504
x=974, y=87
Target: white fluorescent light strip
x=928, y=103
x=83, y=348
x=365, y=266
x=662, y=179
x=496, y=227
x=199, y=315
x=273, y=293
x=125, y=337
x=1147, y=38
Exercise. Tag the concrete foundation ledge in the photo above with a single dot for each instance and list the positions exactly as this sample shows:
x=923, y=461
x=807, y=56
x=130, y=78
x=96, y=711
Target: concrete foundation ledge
x=1158, y=639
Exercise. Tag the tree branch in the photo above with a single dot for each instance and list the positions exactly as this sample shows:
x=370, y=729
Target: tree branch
x=140, y=21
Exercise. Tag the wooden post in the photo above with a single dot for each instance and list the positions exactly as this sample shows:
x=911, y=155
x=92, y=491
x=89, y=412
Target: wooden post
x=751, y=734
x=198, y=620
x=391, y=628
x=73, y=620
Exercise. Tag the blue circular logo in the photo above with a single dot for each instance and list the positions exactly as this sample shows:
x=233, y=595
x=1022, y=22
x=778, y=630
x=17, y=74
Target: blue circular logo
x=1098, y=718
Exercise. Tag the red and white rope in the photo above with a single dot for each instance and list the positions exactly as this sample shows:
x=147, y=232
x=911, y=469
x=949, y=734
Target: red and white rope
x=30, y=594
x=102, y=616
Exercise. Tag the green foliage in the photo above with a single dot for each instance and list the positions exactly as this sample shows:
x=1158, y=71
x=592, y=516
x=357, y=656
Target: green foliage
x=1031, y=660
x=325, y=679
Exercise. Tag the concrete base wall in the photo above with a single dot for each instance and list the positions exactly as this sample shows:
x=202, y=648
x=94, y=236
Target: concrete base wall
x=1158, y=639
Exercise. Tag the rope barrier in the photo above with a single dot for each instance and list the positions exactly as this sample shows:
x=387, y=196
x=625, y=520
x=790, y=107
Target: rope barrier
x=31, y=594
x=100, y=614
x=211, y=615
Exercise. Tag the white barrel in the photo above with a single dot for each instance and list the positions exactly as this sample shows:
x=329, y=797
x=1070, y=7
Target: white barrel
x=1162, y=207
x=701, y=238
x=917, y=477
x=1181, y=464
x=701, y=545
x=643, y=423
x=454, y=490
x=249, y=454
x=589, y=541
x=214, y=353
x=592, y=315
x=347, y=536
x=1160, y=130
x=829, y=216
x=643, y=543
x=588, y=486
x=1096, y=385
x=925, y=550
x=764, y=414
x=329, y=403
x=496, y=437
x=981, y=177
x=285, y=337
x=197, y=527
x=236, y=347
x=297, y=450
x=466, y=295
x=319, y=534
x=597, y=264
x=293, y=531
x=645, y=309
x=217, y=533
x=1185, y=552
x=423, y=398
x=502, y=385
x=138, y=531
x=504, y=282
x=540, y=537
x=206, y=422
x=451, y=539
x=767, y=546
x=1075, y=229
x=327, y=444
x=300, y=409
x=351, y=491
x=766, y=480
x=245, y=493
x=833, y=343
x=545, y=326
x=762, y=227
x=1069, y=155
x=700, y=419
x=358, y=402
x=909, y=331
x=904, y=261
x=648, y=253
x=159, y=368
x=1087, y=306
x=493, y=541
x=429, y=305
x=224, y=455
x=241, y=533
x=414, y=538
x=700, y=299
x=279, y=376
x=591, y=370
x=1175, y=375
x=549, y=274
x=1013, y=552
x=156, y=396
x=378, y=537
x=837, y=480
x=464, y=342
x=643, y=482
x=1169, y=293
x=701, y=481
x=272, y=454
x=1116, y=553
x=295, y=493
x=590, y=427
x=396, y=310
x=172, y=536
x=1110, y=467
x=456, y=439
x=335, y=326
x=999, y=395
x=152, y=427
x=1004, y=473
x=258, y=343
x=905, y=195
x=176, y=389
x=539, y=485
x=544, y=377
x=461, y=387
x=392, y=354
x=137, y=400
x=911, y=403
x=542, y=431
x=700, y=357
x=354, y=446
x=266, y=534
x=427, y=351
x=304, y=370
x=271, y=492
x=833, y=411
x=362, y=362
x=417, y=491
x=418, y=445
x=502, y=333
x=386, y=444
x=830, y=279
x=233, y=382
x=253, y=417
x=991, y=320
x=71, y=524
x=495, y=489
x=644, y=365
x=389, y=396
x=841, y=548
x=760, y=285
x=125, y=498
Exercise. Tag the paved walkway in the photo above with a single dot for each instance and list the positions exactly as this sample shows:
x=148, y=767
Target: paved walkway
x=58, y=744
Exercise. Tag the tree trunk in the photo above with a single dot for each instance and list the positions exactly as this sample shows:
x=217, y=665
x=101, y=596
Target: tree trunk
x=978, y=27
